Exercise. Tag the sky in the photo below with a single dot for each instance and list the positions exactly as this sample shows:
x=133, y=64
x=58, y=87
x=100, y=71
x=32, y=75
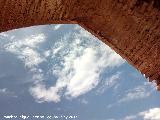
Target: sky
x=63, y=72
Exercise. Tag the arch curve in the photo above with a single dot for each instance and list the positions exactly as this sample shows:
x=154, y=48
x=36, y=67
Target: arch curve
x=130, y=27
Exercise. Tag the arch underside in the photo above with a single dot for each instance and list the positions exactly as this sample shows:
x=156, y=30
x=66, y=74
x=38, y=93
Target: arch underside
x=130, y=27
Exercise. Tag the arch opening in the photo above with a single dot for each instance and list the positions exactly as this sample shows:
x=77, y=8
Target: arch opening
x=67, y=68
x=131, y=28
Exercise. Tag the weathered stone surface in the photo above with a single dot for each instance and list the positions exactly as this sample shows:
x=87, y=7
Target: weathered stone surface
x=130, y=27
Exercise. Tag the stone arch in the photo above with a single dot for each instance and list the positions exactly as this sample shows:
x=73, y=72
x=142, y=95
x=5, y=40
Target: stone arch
x=130, y=27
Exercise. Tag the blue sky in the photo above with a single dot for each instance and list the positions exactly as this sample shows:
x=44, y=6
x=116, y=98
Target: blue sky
x=64, y=70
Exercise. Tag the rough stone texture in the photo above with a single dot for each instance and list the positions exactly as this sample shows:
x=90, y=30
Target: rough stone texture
x=130, y=27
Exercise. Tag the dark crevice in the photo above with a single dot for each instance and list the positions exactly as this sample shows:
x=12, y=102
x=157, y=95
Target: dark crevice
x=156, y=3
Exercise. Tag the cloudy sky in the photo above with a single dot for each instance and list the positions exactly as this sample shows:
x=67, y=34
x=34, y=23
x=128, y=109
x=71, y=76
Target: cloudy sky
x=64, y=70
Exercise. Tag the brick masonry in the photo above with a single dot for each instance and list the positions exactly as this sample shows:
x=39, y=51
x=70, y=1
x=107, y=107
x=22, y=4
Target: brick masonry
x=130, y=27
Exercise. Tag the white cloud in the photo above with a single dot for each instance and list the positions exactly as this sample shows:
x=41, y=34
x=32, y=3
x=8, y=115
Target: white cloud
x=26, y=49
x=111, y=81
x=130, y=117
x=3, y=34
x=81, y=59
x=42, y=94
x=47, y=53
x=30, y=57
x=2, y=91
x=31, y=41
x=86, y=74
x=37, y=74
x=6, y=92
x=151, y=114
x=83, y=101
x=138, y=92
x=56, y=27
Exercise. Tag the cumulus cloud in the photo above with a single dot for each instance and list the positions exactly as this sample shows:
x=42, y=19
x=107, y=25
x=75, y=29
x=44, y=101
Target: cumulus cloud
x=76, y=60
x=31, y=41
x=151, y=114
x=42, y=94
x=30, y=57
x=81, y=58
x=26, y=49
x=86, y=74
